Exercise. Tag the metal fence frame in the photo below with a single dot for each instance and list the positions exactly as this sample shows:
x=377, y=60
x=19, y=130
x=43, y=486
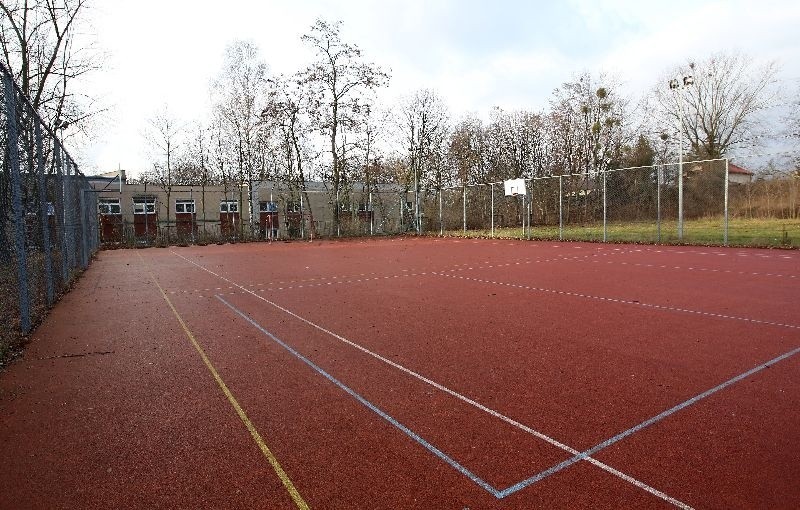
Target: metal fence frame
x=599, y=185
x=48, y=214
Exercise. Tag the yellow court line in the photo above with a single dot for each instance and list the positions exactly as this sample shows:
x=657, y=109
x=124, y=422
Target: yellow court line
x=296, y=497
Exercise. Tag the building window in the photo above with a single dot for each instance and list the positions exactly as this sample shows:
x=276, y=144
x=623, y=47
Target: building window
x=229, y=206
x=184, y=206
x=105, y=206
x=268, y=207
x=364, y=207
x=144, y=205
x=293, y=207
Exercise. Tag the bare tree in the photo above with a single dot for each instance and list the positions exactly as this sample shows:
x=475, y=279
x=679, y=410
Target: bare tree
x=239, y=98
x=792, y=129
x=467, y=152
x=38, y=45
x=587, y=125
x=424, y=122
x=339, y=80
x=288, y=124
x=163, y=136
x=718, y=111
x=516, y=145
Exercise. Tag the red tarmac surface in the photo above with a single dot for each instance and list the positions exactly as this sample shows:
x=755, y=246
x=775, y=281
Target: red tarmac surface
x=414, y=373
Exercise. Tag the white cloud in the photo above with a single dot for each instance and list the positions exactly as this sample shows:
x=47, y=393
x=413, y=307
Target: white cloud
x=475, y=54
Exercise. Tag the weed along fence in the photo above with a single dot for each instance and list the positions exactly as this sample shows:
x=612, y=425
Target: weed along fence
x=48, y=219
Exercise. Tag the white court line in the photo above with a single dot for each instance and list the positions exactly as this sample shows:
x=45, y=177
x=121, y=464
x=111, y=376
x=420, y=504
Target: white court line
x=702, y=269
x=622, y=435
x=291, y=284
x=457, y=395
x=621, y=301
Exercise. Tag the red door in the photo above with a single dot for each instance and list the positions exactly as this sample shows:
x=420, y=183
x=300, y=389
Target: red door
x=185, y=225
x=145, y=225
x=269, y=224
x=228, y=223
x=111, y=228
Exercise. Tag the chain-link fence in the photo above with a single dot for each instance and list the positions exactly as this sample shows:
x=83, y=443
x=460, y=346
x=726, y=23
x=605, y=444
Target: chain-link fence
x=708, y=202
x=766, y=211
x=48, y=220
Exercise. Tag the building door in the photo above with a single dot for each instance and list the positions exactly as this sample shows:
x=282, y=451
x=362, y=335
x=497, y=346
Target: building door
x=228, y=218
x=110, y=220
x=268, y=219
x=185, y=219
x=145, y=219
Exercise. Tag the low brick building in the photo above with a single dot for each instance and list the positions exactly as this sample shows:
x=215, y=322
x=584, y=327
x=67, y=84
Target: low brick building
x=146, y=212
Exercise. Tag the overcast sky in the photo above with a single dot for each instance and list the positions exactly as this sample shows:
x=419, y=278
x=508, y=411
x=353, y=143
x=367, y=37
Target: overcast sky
x=475, y=54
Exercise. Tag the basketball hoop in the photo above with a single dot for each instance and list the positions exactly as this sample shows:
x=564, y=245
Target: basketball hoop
x=514, y=187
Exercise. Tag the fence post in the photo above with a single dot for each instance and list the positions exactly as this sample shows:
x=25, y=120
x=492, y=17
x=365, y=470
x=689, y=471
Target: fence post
x=371, y=216
x=464, y=206
x=84, y=231
x=491, y=186
x=441, y=222
x=400, y=221
x=605, y=209
x=62, y=191
x=44, y=211
x=69, y=209
x=16, y=204
x=528, y=211
x=680, y=199
x=560, y=207
x=303, y=220
x=659, y=170
x=727, y=170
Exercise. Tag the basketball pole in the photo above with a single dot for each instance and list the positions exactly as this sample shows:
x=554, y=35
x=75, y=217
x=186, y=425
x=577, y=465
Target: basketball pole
x=492, y=187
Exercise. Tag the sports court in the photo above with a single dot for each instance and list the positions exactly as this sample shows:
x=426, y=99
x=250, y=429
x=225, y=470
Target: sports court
x=413, y=373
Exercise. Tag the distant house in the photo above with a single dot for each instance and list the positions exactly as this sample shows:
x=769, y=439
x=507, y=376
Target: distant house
x=739, y=175
x=736, y=174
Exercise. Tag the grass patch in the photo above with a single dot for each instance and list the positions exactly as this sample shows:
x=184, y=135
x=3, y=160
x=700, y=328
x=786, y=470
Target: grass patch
x=704, y=231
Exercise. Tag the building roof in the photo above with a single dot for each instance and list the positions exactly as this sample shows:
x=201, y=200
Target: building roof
x=736, y=169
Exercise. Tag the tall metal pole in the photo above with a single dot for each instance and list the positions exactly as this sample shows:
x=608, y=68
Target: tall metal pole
x=605, y=209
x=401, y=222
x=678, y=86
x=303, y=221
x=12, y=140
x=727, y=170
x=528, y=212
x=44, y=211
x=271, y=217
x=680, y=165
x=416, y=201
x=560, y=208
x=659, y=170
x=441, y=221
x=492, y=188
x=465, y=208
